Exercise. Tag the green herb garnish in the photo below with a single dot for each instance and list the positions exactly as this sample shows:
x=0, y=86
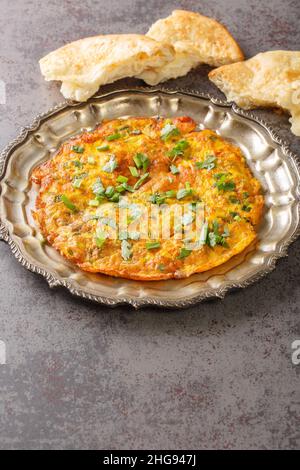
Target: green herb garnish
x=78, y=164
x=214, y=238
x=122, y=179
x=171, y=193
x=141, y=181
x=184, y=192
x=100, y=238
x=178, y=149
x=174, y=170
x=127, y=187
x=78, y=180
x=113, y=137
x=111, y=165
x=94, y=203
x=100, y=242
x=184, y=252
x=102, y=148
x=158, y=198
x=120, y=188
x=207, y=164
x=169, y=130
x=141, y=161
x=152, y=245
x=78, y=149
x=222, y=184
x=133, y=171
x=234, y=214
x=98, y=187
x=115, y=197
x=109, y=192
x=68, y=203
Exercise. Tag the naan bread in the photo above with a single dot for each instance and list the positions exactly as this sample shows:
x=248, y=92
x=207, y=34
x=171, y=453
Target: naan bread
x=270, y=79
x=84, y=65
x=197, y=39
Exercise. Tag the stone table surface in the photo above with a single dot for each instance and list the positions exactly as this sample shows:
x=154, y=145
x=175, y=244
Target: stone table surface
x=78, y=375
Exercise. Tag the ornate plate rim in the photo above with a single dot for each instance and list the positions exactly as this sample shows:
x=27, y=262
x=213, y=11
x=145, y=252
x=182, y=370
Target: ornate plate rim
x=54, y=281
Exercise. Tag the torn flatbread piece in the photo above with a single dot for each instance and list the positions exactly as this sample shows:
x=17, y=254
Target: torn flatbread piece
x=197, y=39
x=84, y=65
x=269, y=79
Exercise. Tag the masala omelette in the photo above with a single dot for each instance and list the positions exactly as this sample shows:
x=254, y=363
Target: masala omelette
x=147, y=166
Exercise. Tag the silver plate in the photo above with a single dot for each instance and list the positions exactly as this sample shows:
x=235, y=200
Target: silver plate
x=269, y=158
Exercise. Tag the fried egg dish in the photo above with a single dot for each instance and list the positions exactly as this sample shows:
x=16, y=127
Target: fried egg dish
x=105, y=196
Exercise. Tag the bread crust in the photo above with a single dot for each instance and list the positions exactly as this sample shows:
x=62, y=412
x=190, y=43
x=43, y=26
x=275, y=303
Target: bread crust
x=86, y=64
x=197, y=39
x=269, y=79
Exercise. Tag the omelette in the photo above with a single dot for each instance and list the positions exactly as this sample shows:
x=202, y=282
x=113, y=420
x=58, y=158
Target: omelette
x=105, y=196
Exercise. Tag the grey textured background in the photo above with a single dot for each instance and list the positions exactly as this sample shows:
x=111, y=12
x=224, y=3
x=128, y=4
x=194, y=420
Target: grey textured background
x=78, y=375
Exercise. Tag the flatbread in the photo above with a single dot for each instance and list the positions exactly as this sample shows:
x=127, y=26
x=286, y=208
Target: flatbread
x=197, y=39
x=269, y=79
x=84, y=65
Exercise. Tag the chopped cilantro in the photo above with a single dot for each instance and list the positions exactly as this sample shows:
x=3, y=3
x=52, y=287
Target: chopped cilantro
x=78, y=149
x=140, y=181
x=178, y=149
x=102, y=148
x=68, y=203
x=111, y=165
x=222, y=184
x=100, y=238
x=98, y=187
x=122, y=179
x=169, y=130
x=94, y=203
x=113, y=137
x=184, y=192
x=184, y=252
x=174, y=170
x=152, y=245
x=141, y=161
x=78, y=164
x=78, y=180
x=171, y=193
x=109, y=192
x=133, y=171
x=158, y=198
x=207, y=164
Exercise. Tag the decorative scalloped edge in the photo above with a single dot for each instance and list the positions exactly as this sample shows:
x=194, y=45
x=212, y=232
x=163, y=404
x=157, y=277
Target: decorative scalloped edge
x=53, y=281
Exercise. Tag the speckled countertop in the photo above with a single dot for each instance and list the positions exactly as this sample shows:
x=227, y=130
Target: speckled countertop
x=78, y=375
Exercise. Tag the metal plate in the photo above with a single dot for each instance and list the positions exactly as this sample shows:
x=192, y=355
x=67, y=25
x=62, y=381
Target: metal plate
x=269, y=158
